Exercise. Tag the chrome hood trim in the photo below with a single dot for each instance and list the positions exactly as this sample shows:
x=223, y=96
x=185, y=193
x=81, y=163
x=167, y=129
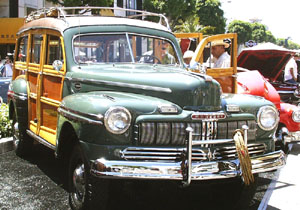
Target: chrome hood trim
x=120, y=84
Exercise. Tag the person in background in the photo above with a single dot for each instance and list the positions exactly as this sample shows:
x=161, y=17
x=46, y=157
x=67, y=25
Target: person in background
x=219, y=57
x=187, y=57
x=165, y=56
x=291, y=71
x=7, y=71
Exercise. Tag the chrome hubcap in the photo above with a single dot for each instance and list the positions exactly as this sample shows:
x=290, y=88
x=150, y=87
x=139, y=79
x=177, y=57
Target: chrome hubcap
x=16, y=134
x=79, y=183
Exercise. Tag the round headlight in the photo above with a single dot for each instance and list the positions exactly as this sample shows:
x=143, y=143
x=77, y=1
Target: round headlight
x=267, y=117
x=117, y=120
x=296, y=115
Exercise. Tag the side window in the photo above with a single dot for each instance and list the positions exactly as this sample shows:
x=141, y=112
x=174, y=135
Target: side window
x=22, y=49
x=36, y=47
x=54, y=50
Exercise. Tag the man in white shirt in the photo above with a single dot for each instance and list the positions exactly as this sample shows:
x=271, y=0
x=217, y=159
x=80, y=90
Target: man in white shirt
x=220, y=58
x=290, y=71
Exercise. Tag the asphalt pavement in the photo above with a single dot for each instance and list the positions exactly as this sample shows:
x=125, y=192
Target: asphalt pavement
x=6, y=144
x=281, y=192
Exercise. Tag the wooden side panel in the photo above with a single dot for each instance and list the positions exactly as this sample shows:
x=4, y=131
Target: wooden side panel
x=32, y=81
x=52, y=87
x=49, y=113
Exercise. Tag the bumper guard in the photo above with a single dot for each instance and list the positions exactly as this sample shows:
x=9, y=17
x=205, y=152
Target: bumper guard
x=186, y=170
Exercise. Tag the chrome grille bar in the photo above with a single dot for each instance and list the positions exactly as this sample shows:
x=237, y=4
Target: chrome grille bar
x=174, y=154
x=173, y=133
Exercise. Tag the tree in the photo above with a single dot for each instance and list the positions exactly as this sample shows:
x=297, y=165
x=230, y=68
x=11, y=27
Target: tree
x=259, y=34
x=189, y=26
x=72, y=3
x=177, y=11
x=243, y=30
x=287, y=43
x=211, y=14
x=270, y=37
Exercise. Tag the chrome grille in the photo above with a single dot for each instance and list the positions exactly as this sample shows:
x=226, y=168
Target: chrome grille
x=175, y=154
x=165, y=133
x=159, y=154
x=230, y=152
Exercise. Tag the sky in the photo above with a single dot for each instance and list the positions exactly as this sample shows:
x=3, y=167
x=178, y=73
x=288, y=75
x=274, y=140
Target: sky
x=281, y=17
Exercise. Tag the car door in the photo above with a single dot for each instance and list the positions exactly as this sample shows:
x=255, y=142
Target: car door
x=34, y=69
x=51, y=81
x=45, y=83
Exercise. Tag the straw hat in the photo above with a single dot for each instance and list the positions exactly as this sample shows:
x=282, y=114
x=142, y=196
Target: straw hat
x=188, y=54
x=219, y=42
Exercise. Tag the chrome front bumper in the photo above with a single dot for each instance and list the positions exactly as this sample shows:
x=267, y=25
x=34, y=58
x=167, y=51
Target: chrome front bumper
x=173, y=171
x=292, y=136
x=185, y=170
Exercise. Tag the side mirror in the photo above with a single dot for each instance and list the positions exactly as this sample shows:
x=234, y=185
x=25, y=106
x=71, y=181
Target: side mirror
x=57, y=65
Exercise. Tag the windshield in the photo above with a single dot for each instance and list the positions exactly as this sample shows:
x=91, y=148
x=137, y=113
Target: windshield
x=123, y=48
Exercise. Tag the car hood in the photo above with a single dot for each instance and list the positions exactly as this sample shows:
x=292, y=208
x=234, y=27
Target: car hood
x=253, y=83
x=189, y=90
x=269, y=59
x=5, y=79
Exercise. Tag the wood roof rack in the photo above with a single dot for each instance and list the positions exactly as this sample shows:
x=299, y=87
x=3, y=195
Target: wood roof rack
x=64, y=12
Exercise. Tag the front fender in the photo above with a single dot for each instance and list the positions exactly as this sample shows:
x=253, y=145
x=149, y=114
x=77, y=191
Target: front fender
x=17, y=100
x=243, y=101
x=86, y=111
x=286, y=111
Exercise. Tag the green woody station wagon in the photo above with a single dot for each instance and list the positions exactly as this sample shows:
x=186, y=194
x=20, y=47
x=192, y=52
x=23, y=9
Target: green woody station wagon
x=111, y=97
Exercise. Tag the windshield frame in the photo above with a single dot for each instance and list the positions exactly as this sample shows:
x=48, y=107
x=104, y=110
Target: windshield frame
x=127, y=34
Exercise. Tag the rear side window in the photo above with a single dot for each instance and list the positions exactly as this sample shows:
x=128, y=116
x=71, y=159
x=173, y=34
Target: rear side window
x=54, y=50
x=22, y=49
x=36, y=47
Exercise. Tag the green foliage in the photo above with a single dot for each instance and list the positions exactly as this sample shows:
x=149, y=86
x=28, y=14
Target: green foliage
x=211, y=14
x=258, y=32
x=189, y=26
x=177, y=11
x=270, y=37
x=5, y=123
x=250, y=31
x=287, y=43
x=243, y=30
x=208, y=30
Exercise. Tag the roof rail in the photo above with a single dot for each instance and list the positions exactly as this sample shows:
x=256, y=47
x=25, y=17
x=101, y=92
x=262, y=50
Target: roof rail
x=63, y=12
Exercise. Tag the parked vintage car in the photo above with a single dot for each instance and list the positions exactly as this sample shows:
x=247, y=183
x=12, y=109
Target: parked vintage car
x=111, y=97
x=270, y=60
x=4, y=83
x=252, y=82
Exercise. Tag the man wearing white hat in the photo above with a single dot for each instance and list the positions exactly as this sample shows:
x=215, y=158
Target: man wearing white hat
x=187, y=57
x=220, y=58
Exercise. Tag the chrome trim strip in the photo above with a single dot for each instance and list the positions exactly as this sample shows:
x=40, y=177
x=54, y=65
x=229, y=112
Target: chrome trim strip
x=20, y=96
x=120, y=84
x=172, y=171
x=40, y=139
x=79, y=116
x=217, y=141
x=285, y=92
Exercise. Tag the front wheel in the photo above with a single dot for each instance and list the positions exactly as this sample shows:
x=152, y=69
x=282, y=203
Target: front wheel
x=22, y=142
x=85, y=191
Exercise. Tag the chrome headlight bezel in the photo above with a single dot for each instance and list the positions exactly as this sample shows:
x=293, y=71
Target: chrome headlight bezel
x=119, y=113
x=296, y=115
x=263, y=111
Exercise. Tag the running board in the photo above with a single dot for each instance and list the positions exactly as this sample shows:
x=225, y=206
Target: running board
x=40, y=139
